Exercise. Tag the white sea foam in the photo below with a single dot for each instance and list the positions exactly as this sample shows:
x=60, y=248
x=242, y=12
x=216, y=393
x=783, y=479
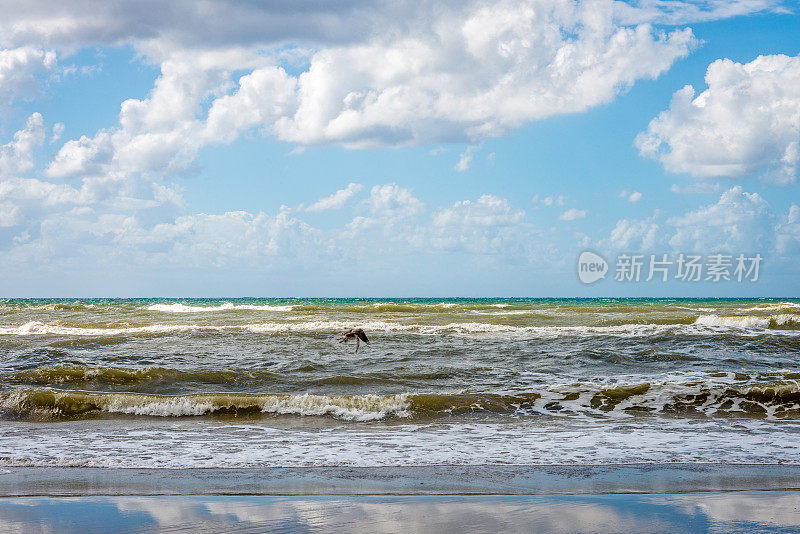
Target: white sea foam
x=38, y=328
x=355, y=408
x=174, y=407
x=775, y=306
x=53, y=402
x=175, y=443
x=489, y=330
x=178, y=307
x=749, y=321
x=697, y=309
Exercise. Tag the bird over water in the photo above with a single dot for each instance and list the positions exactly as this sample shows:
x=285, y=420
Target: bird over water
x=354, y=333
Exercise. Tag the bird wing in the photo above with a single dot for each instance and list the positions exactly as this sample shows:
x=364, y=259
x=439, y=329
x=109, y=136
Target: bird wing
x=362, y=336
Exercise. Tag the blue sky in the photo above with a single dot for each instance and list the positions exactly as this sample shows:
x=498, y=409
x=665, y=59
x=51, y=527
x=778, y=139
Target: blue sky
x=371, y=149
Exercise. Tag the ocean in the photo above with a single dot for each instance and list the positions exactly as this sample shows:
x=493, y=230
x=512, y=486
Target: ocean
x=170, y=383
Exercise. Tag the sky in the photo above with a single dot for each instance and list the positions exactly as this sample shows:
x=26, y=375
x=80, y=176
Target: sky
x=398, y=149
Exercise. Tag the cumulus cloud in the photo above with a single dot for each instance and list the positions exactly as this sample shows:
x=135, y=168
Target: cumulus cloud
x=16, y=156
x=353, y=73
x=393, y=201
x=739, y=222
x=188, y=24
x=475, y=71
x=460, y=72
x=745, y=124
x=486, y=225
x=63, y=225
x=487, y=211
x=162, y=133
x=19, y=71
x=390, y=207
x=572, y=214
x=634, y=235
x=336, y=200
x=230, y=239
x=185, y=23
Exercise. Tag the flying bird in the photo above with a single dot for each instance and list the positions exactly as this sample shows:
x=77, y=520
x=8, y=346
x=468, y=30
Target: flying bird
x=354, y=333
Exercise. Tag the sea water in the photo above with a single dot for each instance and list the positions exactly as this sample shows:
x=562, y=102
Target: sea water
x=264, y=382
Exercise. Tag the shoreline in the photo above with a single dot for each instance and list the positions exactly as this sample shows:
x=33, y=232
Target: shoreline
x=410, y=480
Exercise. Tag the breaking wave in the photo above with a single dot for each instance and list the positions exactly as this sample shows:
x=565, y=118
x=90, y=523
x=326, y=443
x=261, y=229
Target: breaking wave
x=178, y=307
x=783, y=321
x=46, y=403
x=768, y=400
x=778, y=322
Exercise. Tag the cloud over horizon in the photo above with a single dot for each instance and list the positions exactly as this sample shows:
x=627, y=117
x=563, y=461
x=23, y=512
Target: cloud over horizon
x=368, y=76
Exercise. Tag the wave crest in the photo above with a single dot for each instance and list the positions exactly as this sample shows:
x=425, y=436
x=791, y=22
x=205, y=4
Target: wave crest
x=59, y=404
x=768, y=400
x=179, y=307
x=787, y=321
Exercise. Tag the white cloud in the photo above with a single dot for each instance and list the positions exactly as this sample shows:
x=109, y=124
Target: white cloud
x=552, y=200
x=464, y=160
x=696, y=188
x=64, y=225
x=391, y=208
x=156, y=26
x=633, y=235
x=336, y=200
x=162, y=133
x=685, y=12
x=487, y=211
x=572, y=214
x=214, y=23
x=58, y=130
x=227, y=239
x=461, y=72
x=788, y=232
x=473, y=72
x=745, y=124
x=354, y=73
x=738, y=222
x=391, y=200
x=19, y=70
x=630, y=196
x=488, y=225
x=16, y=156
x=372, y=73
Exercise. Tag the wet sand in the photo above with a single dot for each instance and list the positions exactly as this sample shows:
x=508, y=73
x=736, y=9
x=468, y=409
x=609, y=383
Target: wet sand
x=774, y=511
x=411, y=480
x=607, y=498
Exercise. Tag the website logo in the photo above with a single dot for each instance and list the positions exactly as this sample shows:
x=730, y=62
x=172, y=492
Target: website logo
x=591, y=267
